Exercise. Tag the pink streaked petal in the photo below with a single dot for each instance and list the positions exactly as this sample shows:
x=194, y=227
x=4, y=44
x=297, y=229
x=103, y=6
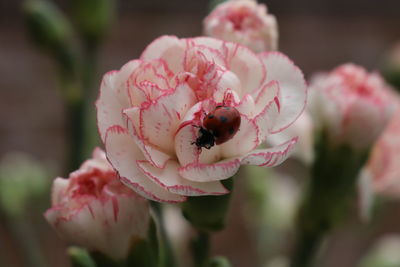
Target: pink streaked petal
x=170, y=179
x=168, y=48
x=160, y=120
x=125, y=72
x=154, y=72
x=266, y=119
x=231, y=98
x=247, y=66
x=245, y=140
x=122, y=152
x=224, y=169
x=201, y=172
x=114, y=97
x=58, y=190
x=109, y=104
x=206, y=52
x=186, y=134
x=270, y=157
x=98, y=161
x=133, y=114
x=267, y=93
x=70, y=222
x=293, y=88
x=246, y=106
x=186, y=151
x=152, y=154
x=210, y=42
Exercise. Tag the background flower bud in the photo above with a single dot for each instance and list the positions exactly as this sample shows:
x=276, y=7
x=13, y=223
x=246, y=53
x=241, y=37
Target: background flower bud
x=93, y=18
x=350, y=105
x=244, y=22
x=48, y=26
x=94, y=210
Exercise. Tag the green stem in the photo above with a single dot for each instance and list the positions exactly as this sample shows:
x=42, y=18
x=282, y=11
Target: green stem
x=308, y=243
x=75, y=126
x=80, y=110
x=166, y=255
x=332, y=188
x=88, y=83
x=201, y=248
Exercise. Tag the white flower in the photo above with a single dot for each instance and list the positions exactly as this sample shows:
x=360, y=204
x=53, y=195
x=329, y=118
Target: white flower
x=150, y=111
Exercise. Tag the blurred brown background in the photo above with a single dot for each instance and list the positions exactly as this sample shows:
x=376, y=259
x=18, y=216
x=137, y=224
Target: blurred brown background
x=316, y=34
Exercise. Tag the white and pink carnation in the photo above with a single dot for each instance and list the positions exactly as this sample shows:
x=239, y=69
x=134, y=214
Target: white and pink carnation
x=351, y=105
x=245, y=22
x=93, y=209
x=148, y=111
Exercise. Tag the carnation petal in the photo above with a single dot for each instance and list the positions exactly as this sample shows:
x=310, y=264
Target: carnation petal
x=245, y=140
x=265, y=95
x=293, y=89
x=123, y=153
x=246, y=65
x=152, y=154
x=59, y=187
x=168, y=48
x=170, y=179
x=160, y=120
x=113, y=97
x=202, y=172
x=270, y=157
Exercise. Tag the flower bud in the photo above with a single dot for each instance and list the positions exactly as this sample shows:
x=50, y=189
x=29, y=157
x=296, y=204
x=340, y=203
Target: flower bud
x=22, y=180
x=93, y=209
x=244, y=22
x=350, y=105
x=94, y=17
x=47, y=25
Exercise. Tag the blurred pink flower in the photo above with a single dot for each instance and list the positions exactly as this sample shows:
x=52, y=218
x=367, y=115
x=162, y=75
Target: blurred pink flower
x=352, y=105
x=146, y=112
x=244, y=22
x=384, y=162
x=95, y=210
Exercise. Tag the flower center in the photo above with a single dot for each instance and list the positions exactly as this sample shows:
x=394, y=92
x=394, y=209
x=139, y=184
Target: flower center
x=92, y=183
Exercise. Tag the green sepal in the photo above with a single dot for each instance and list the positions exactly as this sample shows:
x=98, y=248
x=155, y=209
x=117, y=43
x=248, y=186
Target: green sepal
x=142, y=254
x=79, y=257
x=48, y=26
x=332, y=186
x=208, y=213
x=93, y=18
x=218, y=262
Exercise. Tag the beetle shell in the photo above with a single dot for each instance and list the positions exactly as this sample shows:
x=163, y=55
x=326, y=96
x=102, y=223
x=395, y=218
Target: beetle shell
x=223, y=123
